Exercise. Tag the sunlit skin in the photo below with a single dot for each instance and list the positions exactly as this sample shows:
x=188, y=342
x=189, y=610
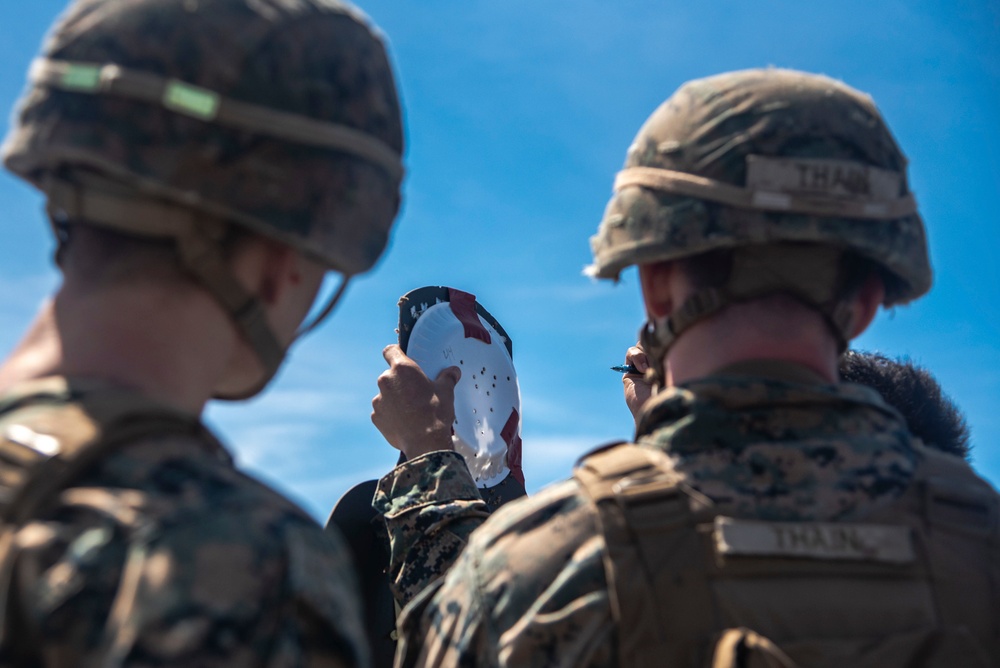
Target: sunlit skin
x=413, y=412
x=637, y=389
x=773, y=328
x=167, y=339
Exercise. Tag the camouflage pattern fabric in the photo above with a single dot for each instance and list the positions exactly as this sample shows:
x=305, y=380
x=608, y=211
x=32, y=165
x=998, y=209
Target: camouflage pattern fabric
x=318, y=60
x=712, y=127
x=761, y=441
x=165, y=554
x=431, y=504
x=811, y=453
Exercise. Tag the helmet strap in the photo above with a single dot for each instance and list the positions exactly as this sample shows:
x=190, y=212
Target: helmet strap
x=809, y=273
x=656, y=337
x=209, y=106
x=203, y=258
x=197, y=238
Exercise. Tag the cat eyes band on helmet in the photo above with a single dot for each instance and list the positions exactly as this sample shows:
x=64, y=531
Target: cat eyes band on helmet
x=209, y=106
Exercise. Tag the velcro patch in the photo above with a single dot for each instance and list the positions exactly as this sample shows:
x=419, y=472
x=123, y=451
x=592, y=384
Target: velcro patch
x=819, y=176
x=814, y=540
x=191, y=100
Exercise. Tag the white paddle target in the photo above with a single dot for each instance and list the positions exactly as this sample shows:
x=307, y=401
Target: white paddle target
x=487, y=398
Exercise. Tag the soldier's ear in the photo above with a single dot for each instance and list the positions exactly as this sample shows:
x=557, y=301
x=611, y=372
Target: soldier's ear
x=657, y=282
x=266, y=268
x=866, y=303
x=281, y=271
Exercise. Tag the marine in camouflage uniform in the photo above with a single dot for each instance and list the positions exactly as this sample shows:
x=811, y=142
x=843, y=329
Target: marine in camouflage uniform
x=766, y=512
x=205, y=163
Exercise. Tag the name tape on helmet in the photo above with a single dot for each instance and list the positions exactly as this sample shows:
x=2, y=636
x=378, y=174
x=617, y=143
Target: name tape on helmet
x=814, y=540
x=819, y=176
x=830, y=188
x=209, y=106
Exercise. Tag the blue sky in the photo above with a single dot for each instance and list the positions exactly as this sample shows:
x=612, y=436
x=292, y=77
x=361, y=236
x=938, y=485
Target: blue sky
x=519, y=114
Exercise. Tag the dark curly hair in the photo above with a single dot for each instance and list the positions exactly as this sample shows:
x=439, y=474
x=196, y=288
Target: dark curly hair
x=930, y=414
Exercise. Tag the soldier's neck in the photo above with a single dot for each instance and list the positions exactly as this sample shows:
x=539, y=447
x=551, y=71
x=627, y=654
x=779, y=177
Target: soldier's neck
x=171, y=348
x=745, y=332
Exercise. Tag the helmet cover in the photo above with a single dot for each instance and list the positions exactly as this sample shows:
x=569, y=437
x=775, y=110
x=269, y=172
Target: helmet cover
x=763, y=157
x=279, y=116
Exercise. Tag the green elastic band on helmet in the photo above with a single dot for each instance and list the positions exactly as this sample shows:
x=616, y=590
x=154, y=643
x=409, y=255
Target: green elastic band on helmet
x=82, y=77
x=209, y=106
x=191, y=100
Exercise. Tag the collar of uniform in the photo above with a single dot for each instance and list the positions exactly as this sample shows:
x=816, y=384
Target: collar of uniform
x=49, y=388
x=752, y=386
x=774, y=370
x=59, y=390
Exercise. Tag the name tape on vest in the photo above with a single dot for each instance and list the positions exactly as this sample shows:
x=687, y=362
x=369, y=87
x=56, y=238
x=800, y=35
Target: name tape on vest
x=818, y=176
x=814, y=540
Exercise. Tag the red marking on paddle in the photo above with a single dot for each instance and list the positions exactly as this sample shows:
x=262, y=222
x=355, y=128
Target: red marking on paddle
x=513, y=441
x=463, y=305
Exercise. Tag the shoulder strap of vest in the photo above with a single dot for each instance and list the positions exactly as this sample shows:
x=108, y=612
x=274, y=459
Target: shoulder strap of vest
x=60, y=431
x=639, y=499
x=52, y=432
x=954, y=495
x=961, y=513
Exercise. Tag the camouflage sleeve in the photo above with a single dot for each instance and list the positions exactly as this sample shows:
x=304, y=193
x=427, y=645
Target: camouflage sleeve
x=431, y=505
x=528, y=591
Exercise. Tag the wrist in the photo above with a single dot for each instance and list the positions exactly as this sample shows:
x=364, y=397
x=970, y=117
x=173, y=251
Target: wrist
x=433, y=441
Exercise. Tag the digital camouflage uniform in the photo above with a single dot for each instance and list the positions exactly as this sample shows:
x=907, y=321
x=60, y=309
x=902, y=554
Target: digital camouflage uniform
x=764, y=516
x=767, y=448
x=181, y=121
x=163, y=554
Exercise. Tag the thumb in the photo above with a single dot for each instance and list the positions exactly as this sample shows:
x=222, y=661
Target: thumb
x=445, y=384
x=448, y=378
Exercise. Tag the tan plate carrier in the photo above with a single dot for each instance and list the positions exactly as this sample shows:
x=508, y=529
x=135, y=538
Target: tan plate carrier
x=916, y=584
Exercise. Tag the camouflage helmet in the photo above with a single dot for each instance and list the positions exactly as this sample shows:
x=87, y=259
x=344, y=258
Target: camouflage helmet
x=178, y=118
x=278, y=116
x=761, y=157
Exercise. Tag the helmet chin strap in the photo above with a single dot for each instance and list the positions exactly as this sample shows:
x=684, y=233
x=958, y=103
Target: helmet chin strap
x=811, y=274
x=270, y=368
x=656, y=337
x=197, y=237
